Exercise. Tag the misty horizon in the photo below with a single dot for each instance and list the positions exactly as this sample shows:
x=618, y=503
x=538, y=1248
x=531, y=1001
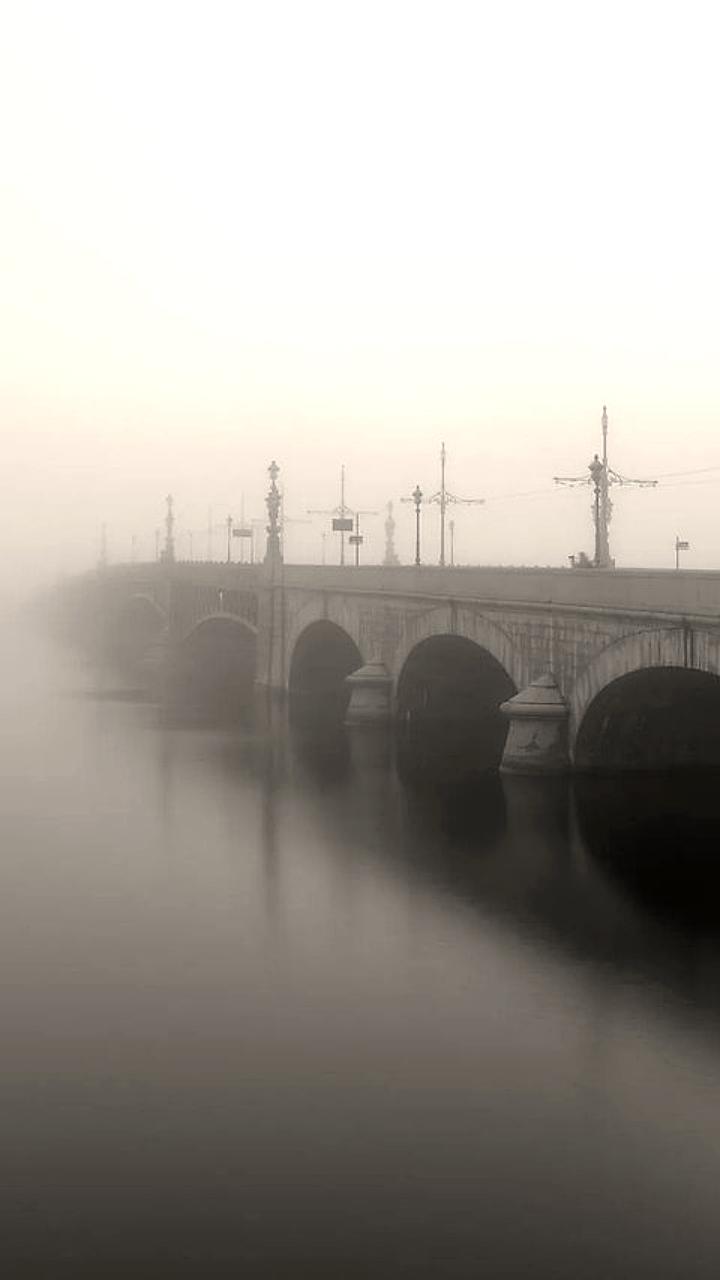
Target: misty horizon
x=276, y=233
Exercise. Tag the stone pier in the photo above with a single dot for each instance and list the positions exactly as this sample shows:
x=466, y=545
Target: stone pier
x=537, y=740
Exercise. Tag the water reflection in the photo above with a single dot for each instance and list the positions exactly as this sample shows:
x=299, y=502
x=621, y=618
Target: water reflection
x=274, y=1009
x=468, y=817
x=436, y=750
x=658, y=837
x=621, y=872
x=321, y=754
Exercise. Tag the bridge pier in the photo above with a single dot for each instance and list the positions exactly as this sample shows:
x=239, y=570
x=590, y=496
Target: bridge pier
x=370, y=695
x=271, y=611
x=156, y=664
x=537, y=740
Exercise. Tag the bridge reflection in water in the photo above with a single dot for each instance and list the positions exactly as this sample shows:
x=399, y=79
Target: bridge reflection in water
x=650, y=836
x=271, y=1010
x=620, y=873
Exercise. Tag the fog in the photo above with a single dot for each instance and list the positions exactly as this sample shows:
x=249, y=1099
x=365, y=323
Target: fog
x=302, y=231
x=358, y=924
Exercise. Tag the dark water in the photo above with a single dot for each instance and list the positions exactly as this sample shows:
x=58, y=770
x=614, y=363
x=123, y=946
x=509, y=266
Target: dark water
x=268, y=1012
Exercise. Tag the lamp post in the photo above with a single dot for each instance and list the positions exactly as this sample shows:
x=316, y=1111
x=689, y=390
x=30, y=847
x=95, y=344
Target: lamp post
x=342, y=518
x=356, y=539
x=416, y=496
x=602, y=477
x=597, y=471
x=169, y=553
x=452, y=542
x=444, y=499
x=273, y=501
x=417, y=499
x=680, y=545
x=229, y=525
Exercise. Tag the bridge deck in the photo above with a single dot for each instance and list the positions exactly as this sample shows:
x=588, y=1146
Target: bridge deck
x=660, y=592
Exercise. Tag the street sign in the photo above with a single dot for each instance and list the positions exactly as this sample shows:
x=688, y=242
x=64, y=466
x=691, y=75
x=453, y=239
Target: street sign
x=356, y=540
x=242, y=533
x=342, y=525
x=682, y=546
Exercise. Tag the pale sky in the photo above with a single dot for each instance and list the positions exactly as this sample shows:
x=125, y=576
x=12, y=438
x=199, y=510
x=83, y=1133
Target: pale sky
x=341, y=233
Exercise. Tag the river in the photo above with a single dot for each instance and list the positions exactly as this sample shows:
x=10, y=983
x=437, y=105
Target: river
x=267, y=1011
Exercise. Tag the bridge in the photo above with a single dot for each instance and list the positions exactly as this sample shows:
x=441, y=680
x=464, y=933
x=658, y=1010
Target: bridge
x=548, y=668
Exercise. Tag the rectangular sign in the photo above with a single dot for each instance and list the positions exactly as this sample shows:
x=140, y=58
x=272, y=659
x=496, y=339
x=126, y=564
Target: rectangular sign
x=355, y=540
x=342, y=525
x=242, y=533
x=682, y=546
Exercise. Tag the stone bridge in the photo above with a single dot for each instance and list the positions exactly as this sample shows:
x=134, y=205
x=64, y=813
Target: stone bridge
x=591, y=666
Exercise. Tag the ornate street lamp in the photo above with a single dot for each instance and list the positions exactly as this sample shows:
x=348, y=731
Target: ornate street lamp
x=597, y=472
x=417, y=497
x=272, y=502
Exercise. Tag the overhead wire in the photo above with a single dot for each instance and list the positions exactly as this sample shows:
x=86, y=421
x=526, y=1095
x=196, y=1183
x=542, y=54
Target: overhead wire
x=527, y=493
x=665, y=481
x=698, y=471
x=687, y=484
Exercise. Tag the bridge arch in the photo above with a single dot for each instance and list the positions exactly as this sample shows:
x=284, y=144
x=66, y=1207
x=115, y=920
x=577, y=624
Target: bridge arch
x=214, y=665
x=649, y=701
x=448, y=698
x=464, y=622
x=141, y=605
x=138, y=624
x=322, y=656
x=218, y=616
x=343, y=611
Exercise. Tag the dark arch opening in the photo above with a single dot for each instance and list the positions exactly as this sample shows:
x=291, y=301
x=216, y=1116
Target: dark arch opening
x=659, y=718
x=448, y=699
x=214, y=669
x=323, y=656
x=138, y=627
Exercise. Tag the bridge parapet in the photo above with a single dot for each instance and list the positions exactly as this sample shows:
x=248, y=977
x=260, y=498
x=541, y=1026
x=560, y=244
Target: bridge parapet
x=617, y=590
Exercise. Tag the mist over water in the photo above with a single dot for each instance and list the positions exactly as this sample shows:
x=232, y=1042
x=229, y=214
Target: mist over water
x=289, y=287
x=274, y=1004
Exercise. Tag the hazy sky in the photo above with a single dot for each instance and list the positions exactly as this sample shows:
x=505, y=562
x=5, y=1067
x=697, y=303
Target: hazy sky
x=341, y=233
